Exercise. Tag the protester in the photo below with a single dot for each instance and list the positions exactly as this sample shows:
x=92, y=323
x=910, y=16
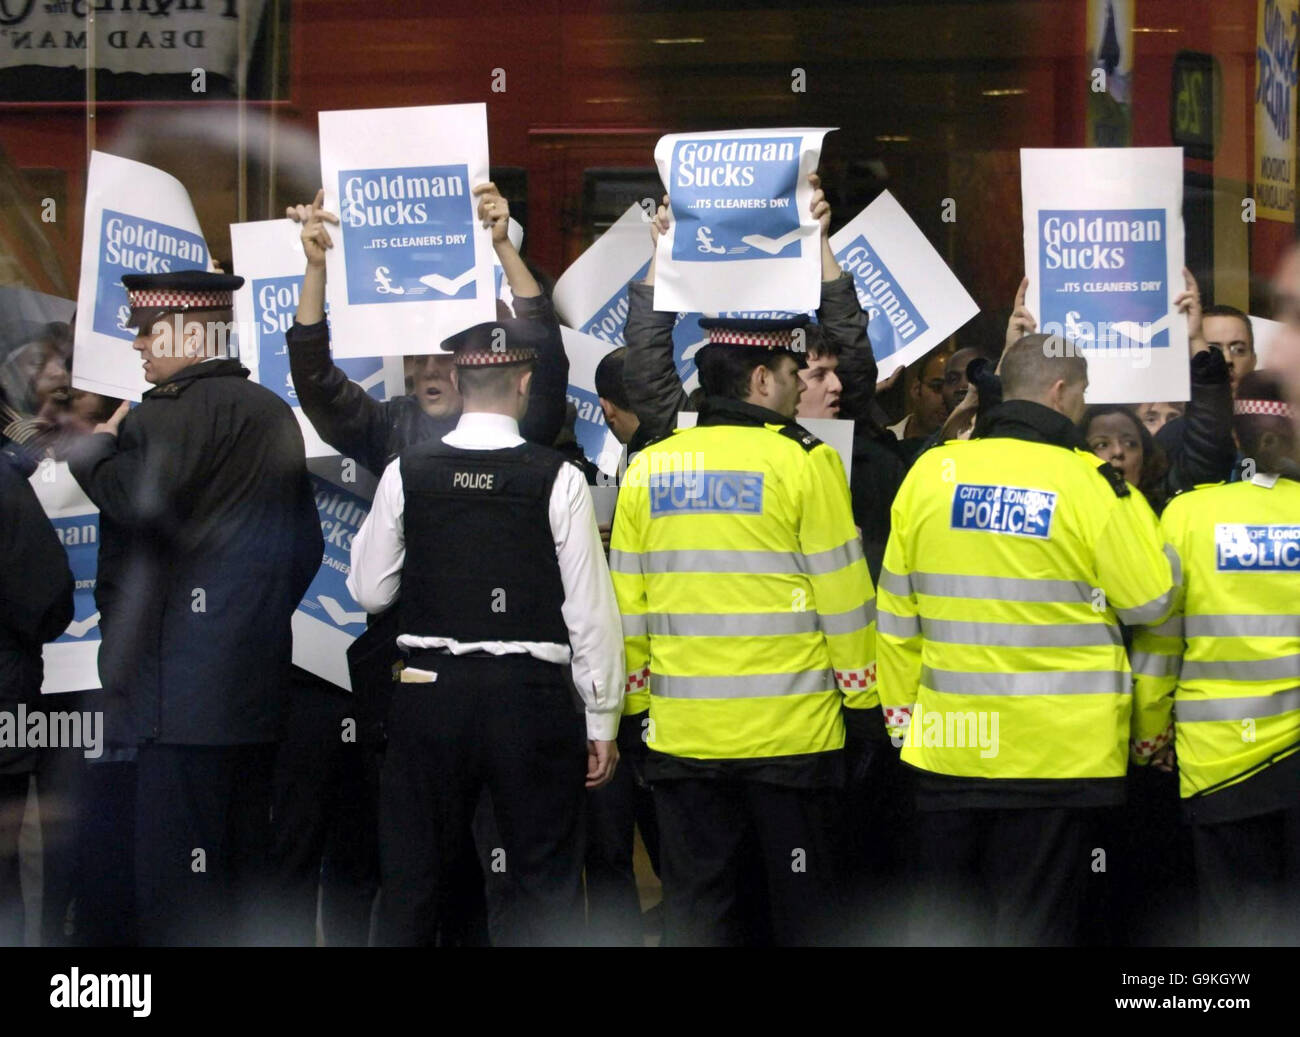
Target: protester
x=653, y=386
x=1156, y=416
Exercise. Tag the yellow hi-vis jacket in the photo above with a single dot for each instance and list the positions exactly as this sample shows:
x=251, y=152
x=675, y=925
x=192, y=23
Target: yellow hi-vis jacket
x=748, y=611
x=1226, y=664
x=1008, y=567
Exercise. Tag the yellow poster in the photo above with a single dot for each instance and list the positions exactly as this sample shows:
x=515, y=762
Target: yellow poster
x=1110, y=73
x=1275, y=97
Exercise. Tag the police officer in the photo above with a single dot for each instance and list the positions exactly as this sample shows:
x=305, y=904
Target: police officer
x=1222, y=676
x=374, y=432
x=503, y=582
x=209, y=537
x=1012, y=559
x=748, y=615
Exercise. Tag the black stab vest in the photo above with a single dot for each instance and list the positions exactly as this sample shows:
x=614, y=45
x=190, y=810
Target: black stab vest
x=480, y=553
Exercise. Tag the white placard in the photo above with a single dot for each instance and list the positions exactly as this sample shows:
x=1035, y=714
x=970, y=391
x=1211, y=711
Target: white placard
x=72, y=660
x=741, y=236
x=834, y=432
x=591, y=295
x=590, y=430
x=268, y=256
x=328, y=620
x=912, y=300
x=411, y=264
x=139, y=220
x=1103, y=231
x=1264, y=331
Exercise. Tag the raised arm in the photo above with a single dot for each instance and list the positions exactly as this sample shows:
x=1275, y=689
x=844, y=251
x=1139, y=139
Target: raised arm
x=649, y=373
x=344, y=415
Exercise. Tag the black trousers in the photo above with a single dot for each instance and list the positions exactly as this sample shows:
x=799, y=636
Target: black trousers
x=105, y=887
x=878, y=802
x=507, y=723
x=13, y=803
x=710, y=828
x=614, y=812
x=202, y=843
x=1002, y=877
x=325, y=821
x=1248, y=880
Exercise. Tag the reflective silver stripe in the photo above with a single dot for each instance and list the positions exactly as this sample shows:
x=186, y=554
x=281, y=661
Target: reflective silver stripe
x=1153, y=664
x=848, y=622
x=634, y=625
x=1021, y=635
x=710, y=561
x=1149, y=612
x=1171, y=627
x=1048, y=682
x=1175, y=564
x=1244, y=669
x=820, y=562
x=732, y=624
x=1001, y=588
x=624, y=562
x=895, y=583
x=897, y=626
x=1252, y=706
x=1243, y=626
x=748, y=686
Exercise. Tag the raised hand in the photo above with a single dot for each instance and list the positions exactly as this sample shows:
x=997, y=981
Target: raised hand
x=315, y=236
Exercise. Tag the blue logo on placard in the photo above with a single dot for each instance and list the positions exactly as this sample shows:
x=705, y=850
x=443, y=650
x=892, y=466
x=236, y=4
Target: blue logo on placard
x=590, y=429
x=735, y=199
x=327, y=598
x=275, y=301
x=134, y=245
x=408, y=234
x=1258, y=549
x=1102, y=277
x=706, y=493
x=893, y=321
x=79, y=535
x=1003, y=509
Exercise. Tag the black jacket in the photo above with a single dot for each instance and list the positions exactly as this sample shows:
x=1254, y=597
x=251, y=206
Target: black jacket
x=650, y=374
x=35, y=593
x=1199, y=445
x=374, y=432
x=209, y=536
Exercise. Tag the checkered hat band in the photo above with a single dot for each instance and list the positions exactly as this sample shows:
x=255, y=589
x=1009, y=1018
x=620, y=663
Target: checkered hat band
x=770, y=339
x=508, y=356
x=1274, y=408
x=173, y=299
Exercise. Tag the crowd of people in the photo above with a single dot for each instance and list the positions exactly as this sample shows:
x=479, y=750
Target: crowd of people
x=1029, y=674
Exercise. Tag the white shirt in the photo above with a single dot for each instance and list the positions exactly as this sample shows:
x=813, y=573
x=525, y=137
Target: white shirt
x=899, y=428
x=590, y=610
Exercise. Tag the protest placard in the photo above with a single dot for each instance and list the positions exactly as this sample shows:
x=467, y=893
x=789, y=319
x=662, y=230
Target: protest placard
x=328, y=619
x=414, y=264
x=268, y=256
x=1263, y=332
x=71, y=660
x=1103, y=231
x=741, y=235
x=139, y=220
x=912, y=300
x=593, y=434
